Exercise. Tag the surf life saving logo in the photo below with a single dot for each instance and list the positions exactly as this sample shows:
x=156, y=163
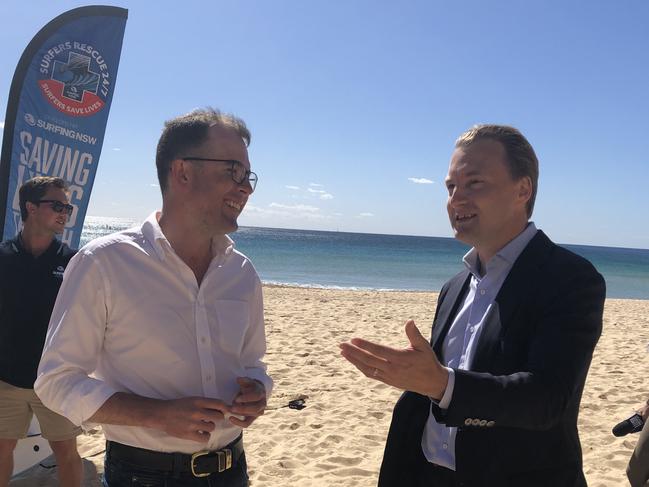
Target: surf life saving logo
x=58, y=272
x=76, y=79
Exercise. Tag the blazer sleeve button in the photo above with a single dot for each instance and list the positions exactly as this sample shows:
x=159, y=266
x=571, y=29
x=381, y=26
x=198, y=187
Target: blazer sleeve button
x=467, y=422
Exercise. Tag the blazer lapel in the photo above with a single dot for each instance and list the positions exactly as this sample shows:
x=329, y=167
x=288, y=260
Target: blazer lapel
x=448, y=308
x=522, y=281
x=489, y=338
x=518, y=287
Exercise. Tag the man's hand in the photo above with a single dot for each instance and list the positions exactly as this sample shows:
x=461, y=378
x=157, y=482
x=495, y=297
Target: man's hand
x=191, y=418
x=250, y=402
x=415, y=368
x=644, y=411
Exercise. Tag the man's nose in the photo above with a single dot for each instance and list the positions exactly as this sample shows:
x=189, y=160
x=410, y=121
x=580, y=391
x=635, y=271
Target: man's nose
x=246, y=187
x=457, y=196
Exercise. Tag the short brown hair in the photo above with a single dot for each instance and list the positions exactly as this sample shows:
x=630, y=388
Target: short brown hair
x=521, y=158
x=34, y=189
x=188, y=131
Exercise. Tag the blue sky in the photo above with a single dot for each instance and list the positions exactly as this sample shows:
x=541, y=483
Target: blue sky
x=354, y=105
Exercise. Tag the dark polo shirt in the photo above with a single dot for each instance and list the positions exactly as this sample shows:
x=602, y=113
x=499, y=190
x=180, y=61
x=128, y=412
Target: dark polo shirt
x=28, y=289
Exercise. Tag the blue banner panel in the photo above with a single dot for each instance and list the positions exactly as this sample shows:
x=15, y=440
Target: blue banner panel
x=58, y=108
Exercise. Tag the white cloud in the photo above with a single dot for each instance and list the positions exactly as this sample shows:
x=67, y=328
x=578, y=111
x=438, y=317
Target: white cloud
x=116, y=149
x=366, y=215
x=154, y=185
x=280, y=211
x=420, y=181
x=315, y=185
x=323, y=194
x=300, y=208
x=253, y=209
x=2, y=124
x=291, y=187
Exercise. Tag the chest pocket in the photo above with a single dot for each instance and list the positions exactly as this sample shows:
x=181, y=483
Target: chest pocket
x=233, y=320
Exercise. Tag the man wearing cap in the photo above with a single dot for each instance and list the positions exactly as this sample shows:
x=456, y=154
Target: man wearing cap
x=31, y=271
x=158, y=331
x=493, y=398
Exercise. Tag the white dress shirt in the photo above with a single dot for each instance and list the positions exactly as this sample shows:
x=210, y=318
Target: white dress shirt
x=131, y=317
x=460, y=342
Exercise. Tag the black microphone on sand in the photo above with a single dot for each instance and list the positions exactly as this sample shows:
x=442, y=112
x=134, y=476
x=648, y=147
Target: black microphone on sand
x=633, y=424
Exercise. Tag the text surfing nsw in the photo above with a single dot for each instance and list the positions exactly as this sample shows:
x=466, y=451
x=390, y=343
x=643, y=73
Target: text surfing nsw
x=75, y=79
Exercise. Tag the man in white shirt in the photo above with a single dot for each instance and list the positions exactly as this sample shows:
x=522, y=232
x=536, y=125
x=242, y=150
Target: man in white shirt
x=158, y=333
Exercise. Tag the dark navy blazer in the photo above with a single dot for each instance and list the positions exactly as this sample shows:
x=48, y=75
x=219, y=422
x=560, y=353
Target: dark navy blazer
x=516, y=409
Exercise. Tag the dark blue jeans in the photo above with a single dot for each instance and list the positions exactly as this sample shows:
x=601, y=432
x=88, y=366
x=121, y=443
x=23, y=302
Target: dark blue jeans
x=123, y=474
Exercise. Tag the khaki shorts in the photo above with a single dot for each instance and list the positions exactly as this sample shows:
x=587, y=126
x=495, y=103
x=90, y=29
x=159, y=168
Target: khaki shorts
x=17, y=405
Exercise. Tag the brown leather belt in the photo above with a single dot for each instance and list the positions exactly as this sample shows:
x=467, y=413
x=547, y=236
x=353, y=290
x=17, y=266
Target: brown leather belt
x=199, y=464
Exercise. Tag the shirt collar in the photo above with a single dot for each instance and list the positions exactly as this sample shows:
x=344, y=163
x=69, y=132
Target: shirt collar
x=18, y=246
x=507, y=255
x=221, y=245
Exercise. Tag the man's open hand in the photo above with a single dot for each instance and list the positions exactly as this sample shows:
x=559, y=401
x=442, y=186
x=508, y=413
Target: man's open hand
x=415, y=368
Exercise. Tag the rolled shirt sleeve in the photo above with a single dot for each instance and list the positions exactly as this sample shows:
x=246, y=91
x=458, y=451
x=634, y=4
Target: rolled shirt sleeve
x=73, y=344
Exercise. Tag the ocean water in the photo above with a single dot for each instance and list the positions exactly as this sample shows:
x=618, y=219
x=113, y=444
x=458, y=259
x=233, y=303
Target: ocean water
x=367, y=261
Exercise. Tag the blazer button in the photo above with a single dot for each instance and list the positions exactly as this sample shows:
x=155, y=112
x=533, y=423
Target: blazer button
x=490, y=424
x=475, y=422
x=467, y=422
x=483, y=422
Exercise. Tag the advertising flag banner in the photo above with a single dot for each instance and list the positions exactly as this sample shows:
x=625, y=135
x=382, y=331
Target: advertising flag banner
x=57, y=110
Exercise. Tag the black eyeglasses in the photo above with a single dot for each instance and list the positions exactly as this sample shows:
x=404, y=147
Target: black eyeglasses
x=238, y=171
x=57, y=206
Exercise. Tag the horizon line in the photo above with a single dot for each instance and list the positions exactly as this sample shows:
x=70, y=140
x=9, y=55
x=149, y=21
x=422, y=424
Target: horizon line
x=390, y=234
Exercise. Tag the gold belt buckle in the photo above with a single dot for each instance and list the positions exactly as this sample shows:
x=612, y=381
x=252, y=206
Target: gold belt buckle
x=225, y=459
x=194, y=457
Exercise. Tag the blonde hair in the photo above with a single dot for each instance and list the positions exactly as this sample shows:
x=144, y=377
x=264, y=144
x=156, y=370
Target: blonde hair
x=521, y=158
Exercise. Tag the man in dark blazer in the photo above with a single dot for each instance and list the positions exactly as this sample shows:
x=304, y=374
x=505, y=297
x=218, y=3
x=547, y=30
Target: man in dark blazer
x=493, y=399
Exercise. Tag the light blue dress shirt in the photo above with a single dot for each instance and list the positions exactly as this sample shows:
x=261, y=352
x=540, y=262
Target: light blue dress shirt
x=438, y=440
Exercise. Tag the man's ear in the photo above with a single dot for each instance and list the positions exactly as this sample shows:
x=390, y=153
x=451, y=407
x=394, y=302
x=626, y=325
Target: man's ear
x=179, y=173
x=31, y=207
x=525, y=189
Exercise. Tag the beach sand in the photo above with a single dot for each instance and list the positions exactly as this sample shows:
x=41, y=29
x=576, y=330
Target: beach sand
x=338, y=438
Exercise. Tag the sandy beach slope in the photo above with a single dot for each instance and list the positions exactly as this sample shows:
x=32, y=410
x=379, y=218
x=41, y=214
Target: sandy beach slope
x=338, y=438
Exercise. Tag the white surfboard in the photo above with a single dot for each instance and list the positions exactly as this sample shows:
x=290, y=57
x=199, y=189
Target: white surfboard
x=31, y=450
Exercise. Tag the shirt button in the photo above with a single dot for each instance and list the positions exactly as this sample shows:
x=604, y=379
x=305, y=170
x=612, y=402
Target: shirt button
x=471, y=329
x=445, y=446
x=203, y=339
x=208, y=378
x=482, y=292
